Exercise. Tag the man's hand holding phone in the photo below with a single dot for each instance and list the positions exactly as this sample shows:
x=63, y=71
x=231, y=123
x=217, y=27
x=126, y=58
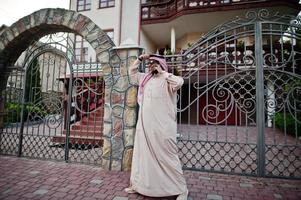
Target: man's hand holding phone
x=159, y=69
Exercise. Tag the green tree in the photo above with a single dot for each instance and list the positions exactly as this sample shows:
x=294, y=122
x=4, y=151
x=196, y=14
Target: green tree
x=33, y=83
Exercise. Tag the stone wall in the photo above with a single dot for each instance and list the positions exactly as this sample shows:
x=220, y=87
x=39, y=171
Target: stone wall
x=120, y=110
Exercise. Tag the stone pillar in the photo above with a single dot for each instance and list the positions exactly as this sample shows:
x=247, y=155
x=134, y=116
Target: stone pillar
x=120, y=112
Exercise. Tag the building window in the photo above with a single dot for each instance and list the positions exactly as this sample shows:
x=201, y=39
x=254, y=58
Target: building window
x=106, y=3
x=83, y=5
x=110, y=33
x=81, y=49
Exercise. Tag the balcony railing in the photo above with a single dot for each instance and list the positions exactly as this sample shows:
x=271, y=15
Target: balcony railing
x=227, y=57
x=160, y=10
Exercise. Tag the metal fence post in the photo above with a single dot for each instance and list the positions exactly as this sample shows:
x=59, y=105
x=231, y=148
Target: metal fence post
x=20, y=136
x=259, y=99
x=69, y=100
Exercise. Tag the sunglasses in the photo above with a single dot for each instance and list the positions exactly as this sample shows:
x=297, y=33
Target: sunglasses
x=151, y=62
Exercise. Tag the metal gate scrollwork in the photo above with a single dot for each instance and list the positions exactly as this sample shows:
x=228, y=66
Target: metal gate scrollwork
x=54, y=104
x=239, y=109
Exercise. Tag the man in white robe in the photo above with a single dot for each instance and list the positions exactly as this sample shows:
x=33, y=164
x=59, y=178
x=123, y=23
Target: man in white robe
x=156, y=168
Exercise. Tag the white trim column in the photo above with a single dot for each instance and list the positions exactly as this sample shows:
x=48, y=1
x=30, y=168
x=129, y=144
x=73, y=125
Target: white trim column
x=173, y=40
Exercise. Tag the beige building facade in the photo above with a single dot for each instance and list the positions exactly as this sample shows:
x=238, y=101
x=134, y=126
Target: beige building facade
x=168, y=27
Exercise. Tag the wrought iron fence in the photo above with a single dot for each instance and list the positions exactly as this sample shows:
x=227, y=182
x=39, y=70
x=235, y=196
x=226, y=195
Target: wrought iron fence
x=53, y=105
x=238, y=111
x=239, y=108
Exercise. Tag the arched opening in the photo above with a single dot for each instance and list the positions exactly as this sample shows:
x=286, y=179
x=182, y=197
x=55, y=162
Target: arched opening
x=57, y=111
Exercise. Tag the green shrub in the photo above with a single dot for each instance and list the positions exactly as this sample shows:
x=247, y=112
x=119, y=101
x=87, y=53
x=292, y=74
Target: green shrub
x=13, y=112
x=35, y=110
x=286, y=119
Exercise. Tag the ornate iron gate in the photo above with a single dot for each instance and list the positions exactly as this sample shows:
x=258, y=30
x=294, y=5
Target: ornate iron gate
x=239, y=109
x=54, y=105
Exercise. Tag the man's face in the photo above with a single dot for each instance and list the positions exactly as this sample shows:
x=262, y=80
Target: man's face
x=152, y=65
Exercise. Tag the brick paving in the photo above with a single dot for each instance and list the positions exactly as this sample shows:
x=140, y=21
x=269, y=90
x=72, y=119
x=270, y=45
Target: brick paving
x=22, y=178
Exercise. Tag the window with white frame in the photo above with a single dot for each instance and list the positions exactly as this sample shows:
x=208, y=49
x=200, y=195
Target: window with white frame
x=83, y=5
x=106, y=3
x=81, y=49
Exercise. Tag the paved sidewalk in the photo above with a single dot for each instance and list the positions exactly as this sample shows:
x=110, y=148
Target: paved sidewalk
x=22, y=178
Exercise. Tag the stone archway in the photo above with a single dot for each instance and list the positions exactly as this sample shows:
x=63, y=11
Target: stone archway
x=18, y=37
